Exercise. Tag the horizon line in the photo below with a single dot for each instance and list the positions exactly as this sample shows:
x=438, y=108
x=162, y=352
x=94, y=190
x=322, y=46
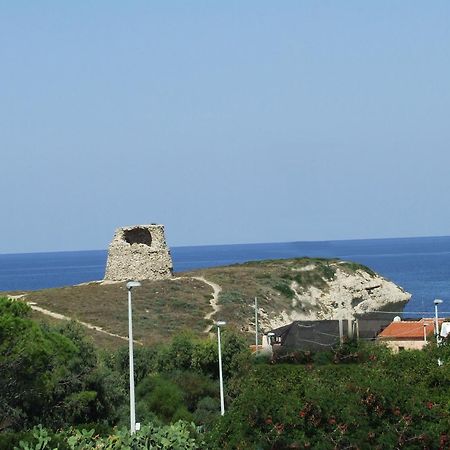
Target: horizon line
x=241, y=243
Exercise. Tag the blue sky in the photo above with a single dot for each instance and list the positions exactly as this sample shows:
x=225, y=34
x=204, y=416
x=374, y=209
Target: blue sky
x=228, y=122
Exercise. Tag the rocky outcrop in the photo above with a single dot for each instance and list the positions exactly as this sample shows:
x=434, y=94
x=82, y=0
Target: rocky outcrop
x=347, y=295
x=139, y=253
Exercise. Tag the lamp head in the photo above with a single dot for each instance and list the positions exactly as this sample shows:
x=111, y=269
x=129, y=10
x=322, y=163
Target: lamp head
x=132, y=284
x=220, y=323
x=271, y=334
x=438, y=301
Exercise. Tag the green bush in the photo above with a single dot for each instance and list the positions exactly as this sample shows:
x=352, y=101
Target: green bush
x=284, y=289
x=353, y=267
x=177, y=436
x=327, y=271
x=374, y=400
x=207, y=411
x=159, y=395
x=194, y=386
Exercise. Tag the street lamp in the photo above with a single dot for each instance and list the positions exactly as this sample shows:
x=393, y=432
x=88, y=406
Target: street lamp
x=130, y=286
x=436, y=325
x=219, y=324
x=256, y=325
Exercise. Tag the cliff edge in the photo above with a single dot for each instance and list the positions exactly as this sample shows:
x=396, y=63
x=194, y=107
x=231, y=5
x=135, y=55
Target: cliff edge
x=303, y=289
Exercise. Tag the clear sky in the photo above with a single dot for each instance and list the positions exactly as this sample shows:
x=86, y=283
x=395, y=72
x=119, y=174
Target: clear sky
x=227, y=121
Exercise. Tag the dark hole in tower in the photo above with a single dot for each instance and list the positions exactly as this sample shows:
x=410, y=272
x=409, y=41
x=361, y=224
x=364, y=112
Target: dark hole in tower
x=138, y=236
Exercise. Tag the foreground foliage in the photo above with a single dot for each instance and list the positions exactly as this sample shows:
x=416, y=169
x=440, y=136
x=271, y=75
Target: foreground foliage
x=58, y=392
x=177, y=436
x=377, y=401
x=50, y=375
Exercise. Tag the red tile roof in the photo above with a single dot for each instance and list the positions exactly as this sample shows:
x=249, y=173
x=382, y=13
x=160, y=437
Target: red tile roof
x=408, y=329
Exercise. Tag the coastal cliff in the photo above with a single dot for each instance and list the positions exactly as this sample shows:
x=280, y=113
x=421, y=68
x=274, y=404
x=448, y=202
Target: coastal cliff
x=347, y=295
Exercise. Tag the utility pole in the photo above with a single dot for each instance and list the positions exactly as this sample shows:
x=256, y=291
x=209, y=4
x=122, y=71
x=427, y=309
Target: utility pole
x=341, y=331
x=350, y=328
x=256, y=325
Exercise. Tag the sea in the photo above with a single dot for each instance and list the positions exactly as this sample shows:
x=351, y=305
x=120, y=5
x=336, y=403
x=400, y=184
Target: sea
x=419, y=265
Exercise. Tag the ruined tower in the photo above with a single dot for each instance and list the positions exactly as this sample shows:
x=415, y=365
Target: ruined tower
x=139, y=253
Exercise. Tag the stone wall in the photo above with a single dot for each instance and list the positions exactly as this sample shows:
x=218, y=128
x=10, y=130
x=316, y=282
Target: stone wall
x=139, y=253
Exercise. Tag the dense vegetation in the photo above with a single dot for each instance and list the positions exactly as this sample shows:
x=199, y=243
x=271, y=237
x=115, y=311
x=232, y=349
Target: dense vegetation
x=375, y=401
x=58, y=391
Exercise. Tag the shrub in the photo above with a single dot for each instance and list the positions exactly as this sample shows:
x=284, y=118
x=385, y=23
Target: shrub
x=177, y=436
x=284, y=289
x=159, y=395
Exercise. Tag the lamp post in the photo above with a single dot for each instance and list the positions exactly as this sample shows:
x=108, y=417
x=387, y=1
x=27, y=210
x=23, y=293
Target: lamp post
x=436, y=324
x=130, y=286
x=219, y=324
x=256, y=325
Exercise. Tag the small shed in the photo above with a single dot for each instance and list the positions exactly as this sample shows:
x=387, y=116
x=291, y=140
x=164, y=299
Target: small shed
x=315, y=335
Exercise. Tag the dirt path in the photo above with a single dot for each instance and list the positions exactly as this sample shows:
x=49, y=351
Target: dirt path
x=214, y=302
x=62, y=317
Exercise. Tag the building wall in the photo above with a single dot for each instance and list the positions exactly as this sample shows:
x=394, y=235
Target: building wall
x=399, y=345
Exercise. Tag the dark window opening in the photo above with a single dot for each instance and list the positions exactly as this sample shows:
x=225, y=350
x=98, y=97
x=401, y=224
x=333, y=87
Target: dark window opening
x=138, y=236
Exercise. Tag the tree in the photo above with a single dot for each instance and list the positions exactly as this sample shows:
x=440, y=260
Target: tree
x=48, y=375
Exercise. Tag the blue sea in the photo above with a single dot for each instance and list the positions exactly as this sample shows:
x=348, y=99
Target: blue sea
x=420, y=265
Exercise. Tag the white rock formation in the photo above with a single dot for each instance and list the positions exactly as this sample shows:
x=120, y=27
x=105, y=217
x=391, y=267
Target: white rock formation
x=348, y=295
x=139, y=253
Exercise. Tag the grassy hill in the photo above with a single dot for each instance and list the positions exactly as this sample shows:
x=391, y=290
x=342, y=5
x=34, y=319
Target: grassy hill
x=163, y=308
x=160, y=308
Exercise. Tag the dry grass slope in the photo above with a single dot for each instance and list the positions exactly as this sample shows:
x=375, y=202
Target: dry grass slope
x=163, y=308
x=160, y=308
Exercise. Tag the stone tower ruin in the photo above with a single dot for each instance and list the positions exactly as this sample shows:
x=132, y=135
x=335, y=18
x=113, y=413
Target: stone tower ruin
x=139, y=253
